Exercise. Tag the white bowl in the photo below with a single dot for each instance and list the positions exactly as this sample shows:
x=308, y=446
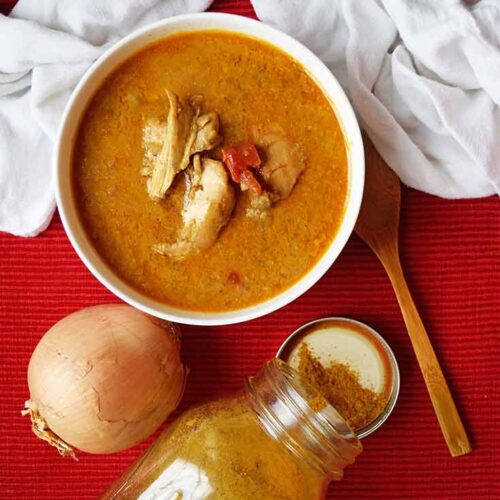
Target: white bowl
x=91, y=82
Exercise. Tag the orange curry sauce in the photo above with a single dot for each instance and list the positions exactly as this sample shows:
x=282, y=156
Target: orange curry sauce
x=248, y=83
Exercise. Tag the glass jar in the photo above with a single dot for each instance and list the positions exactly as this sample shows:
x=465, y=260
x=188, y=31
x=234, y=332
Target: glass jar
x=277, y=439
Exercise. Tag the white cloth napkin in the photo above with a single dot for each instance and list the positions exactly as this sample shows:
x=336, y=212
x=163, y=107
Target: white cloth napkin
x=424, y=77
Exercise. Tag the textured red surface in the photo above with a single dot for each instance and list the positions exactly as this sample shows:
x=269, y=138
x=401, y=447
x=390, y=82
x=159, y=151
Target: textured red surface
x=450, y=250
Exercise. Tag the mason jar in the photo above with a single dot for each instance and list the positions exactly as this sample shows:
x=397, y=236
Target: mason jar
x=276, y=439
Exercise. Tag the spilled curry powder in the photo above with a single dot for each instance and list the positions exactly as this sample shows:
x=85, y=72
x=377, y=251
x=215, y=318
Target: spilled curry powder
x=339, y=384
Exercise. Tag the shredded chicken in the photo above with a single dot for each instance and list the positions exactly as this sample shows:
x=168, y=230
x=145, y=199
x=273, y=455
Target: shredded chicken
x=152, y=139
x=207, y=133
x=283, y=163
x=260, y=204
x=185, y=133
x=208, y=204
x=169, y=162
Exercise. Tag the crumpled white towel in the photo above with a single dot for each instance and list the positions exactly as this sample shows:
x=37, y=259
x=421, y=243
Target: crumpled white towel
x=424, y=77
x=45, y=48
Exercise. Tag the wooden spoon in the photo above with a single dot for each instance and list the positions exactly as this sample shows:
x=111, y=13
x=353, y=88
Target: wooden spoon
x=378, y=225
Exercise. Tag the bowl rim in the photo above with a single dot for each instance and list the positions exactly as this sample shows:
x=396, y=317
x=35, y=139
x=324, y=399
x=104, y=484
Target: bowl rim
x=316, y=69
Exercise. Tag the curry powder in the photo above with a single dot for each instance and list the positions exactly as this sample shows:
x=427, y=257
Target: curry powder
x=339, y=384
x=220, y=447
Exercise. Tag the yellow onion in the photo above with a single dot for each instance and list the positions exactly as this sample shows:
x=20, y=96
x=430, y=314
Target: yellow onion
x=103, y=379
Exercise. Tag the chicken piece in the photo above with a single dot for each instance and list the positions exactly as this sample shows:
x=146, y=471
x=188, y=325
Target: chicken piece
x=153, y=135
x=193, y=179
x=283, y=162
x=207, y=133
x=171, y=159
x=186, y=133
x=204, y=135
x=208, y=204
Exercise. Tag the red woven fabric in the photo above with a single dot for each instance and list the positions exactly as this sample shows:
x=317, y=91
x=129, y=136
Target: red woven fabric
x=450, y=250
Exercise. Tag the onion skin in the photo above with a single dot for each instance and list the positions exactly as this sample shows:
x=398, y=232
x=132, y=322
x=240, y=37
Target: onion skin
x=104, y=378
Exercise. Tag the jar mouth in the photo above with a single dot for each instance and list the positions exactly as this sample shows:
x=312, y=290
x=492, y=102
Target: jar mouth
x=304, y=393
x=283, y=401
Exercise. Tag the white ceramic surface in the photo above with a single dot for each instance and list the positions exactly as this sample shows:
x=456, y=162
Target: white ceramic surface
x=93, y=79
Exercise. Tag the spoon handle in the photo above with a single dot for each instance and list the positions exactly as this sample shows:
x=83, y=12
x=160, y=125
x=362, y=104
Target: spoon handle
x=444, y=406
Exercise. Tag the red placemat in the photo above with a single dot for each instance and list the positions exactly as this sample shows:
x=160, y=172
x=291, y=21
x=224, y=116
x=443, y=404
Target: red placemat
x=450, y=250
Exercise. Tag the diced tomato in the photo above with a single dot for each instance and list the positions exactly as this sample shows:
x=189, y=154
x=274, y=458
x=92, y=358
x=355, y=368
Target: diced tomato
x=239, y=158
x=248, y=152
x=235, y=167
x=249, y=181
x=234, y=278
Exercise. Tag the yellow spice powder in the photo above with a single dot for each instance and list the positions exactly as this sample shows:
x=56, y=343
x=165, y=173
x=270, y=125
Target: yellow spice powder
x=339, y=384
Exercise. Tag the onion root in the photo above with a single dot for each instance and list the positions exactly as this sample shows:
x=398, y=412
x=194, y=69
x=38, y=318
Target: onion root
x=41, y=430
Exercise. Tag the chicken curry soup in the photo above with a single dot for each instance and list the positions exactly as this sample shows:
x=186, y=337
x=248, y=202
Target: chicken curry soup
x=210, y=171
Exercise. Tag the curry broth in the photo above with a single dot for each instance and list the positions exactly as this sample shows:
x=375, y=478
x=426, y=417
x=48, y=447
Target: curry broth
x=247, y=83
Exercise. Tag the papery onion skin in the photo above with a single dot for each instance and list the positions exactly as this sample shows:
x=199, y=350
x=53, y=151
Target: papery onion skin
x=105, y=378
